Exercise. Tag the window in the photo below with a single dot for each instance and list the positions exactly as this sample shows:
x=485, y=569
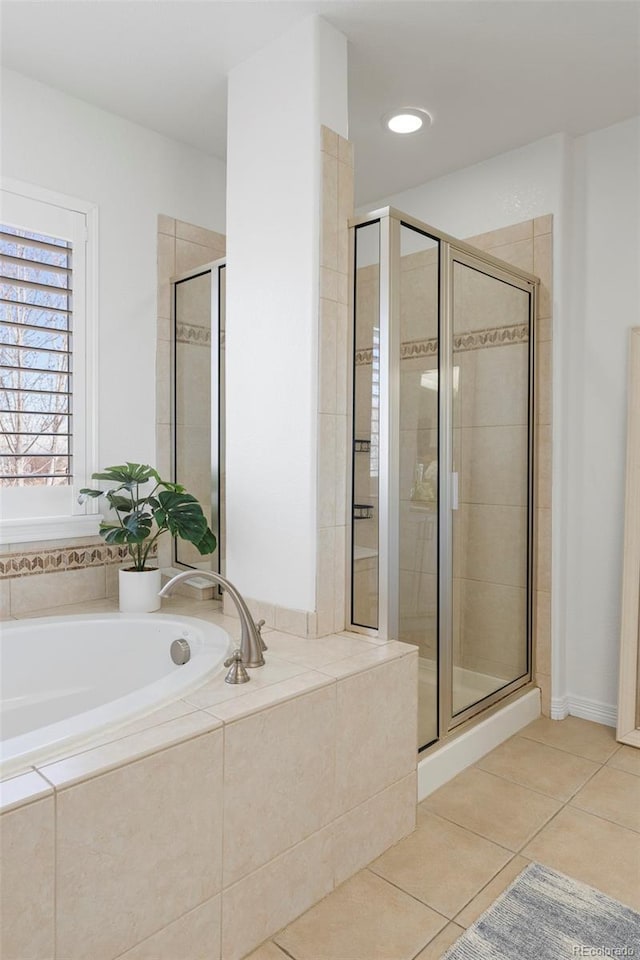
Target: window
x=47, y=375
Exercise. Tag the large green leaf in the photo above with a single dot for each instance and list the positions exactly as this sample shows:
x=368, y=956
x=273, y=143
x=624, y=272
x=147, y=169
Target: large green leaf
x=208, y=542
x=181, y=515
x=128, y=474
x=119, y=503
x=138, y=524
x=114, y=534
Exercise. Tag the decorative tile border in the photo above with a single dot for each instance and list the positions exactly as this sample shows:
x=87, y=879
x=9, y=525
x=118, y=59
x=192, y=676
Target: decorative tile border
x=474, y=340
x=196, y=335
x=62, y=558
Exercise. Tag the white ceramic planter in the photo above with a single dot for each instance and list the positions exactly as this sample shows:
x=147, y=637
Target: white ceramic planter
x=139, y=590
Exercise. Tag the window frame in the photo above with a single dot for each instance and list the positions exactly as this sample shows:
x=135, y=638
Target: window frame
x=20, y=521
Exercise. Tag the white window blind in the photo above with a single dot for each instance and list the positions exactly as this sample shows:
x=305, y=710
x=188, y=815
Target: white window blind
x=36, y=349
x=48, y=363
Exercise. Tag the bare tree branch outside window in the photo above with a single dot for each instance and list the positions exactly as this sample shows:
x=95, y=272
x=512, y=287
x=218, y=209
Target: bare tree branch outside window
x=35, y=359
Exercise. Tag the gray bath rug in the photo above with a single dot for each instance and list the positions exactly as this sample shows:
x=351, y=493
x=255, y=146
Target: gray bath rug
x=544, y=915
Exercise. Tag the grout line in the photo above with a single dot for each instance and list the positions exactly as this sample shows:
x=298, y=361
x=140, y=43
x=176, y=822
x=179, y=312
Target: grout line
x=481, y=836
x=599, y=816
x=562, y=749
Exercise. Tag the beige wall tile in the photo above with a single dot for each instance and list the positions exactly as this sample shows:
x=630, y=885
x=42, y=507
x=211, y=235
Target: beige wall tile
x=189, y=255
x=327, y=357
x=345, y=151
x=372, y=827
x=278, y=892
x=325, y=581
x=544, y=329
x=543, y=632
x=195, y=936
x=365, y=917
x=291, y=805
x=216, y=691
x=137, y=848
x=494, y=464
x=166, y=269
x=327, y=470
x=543, y=267
x=444, y=887
x=27, y=838
x=342, y=360
x=340, y=562
x=543, y=225
x=206, y=238
x=544, y=683
x=480, y=403
x=519, y=254
x=543, y=466
x=493, y=544
x=592, y=850
x=493, y=622
x=543, y=550
x=163, y=382
x=329, y=228
x=291, y=621
x=56, y=589
x=345, y=211
x=376, y=714
x=166, y=224
x=5, y=599
x=544, y=401
x=328, y=283
x=512, y=234
x=329, y=141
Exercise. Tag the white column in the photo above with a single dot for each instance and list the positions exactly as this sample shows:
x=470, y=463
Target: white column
x=278, y=100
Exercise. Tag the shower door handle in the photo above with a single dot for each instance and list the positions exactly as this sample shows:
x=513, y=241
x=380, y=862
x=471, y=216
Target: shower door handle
x=454, y=491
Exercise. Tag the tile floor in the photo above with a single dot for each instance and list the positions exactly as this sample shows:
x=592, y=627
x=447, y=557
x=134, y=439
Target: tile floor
x=563, y=793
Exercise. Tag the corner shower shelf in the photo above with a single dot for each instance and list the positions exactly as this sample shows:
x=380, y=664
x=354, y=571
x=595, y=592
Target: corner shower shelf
x=363, y=511
x=361, y=446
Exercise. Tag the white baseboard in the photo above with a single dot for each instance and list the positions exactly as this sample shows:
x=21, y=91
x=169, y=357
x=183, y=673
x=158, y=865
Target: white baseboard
x=453, y=757
x=595, y=710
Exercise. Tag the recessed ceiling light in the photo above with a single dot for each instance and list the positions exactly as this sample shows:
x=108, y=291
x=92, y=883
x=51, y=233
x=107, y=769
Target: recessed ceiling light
x=407, y=120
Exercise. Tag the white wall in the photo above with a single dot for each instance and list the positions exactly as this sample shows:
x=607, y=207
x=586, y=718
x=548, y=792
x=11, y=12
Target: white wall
x=133, y=174
x=605, y=304
x=591, y=187
x=274, y=117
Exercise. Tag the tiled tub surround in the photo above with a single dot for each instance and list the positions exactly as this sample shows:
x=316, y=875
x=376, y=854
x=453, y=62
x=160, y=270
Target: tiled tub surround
x=119, y=851
x=54, y=573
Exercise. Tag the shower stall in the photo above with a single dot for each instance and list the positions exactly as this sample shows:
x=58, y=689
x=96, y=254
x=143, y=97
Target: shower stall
x=442, y=462
x=197, y=401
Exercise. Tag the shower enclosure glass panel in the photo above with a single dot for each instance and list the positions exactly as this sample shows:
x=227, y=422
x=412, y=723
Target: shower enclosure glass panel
x=366, y=428
x=490, y=461
x=418, y=520
x=442, y=462
x=197, y=390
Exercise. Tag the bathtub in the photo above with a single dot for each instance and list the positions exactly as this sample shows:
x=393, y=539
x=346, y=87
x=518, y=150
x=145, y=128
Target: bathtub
x=64, y=680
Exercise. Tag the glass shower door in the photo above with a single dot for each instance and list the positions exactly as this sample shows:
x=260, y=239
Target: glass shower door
x=490, y=496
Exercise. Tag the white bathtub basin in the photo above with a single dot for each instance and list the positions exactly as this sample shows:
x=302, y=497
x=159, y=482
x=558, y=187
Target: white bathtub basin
x=65, y=679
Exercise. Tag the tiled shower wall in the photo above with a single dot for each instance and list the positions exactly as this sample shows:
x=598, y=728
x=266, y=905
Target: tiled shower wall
x=488, y=598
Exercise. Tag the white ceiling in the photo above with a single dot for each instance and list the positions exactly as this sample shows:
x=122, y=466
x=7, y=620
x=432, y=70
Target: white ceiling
x=495, y=74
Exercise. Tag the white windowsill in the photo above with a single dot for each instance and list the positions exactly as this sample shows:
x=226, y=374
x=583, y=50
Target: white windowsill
x=49, y=528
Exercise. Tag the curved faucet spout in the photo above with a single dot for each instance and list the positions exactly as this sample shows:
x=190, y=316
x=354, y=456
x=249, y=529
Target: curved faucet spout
x=251, y=642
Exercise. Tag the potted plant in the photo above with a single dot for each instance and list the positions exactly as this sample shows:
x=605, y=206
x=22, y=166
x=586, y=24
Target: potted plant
x=141, y=516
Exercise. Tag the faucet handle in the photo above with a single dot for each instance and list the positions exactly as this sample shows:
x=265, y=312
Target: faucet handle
x=259, y=625
x=237, y=672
